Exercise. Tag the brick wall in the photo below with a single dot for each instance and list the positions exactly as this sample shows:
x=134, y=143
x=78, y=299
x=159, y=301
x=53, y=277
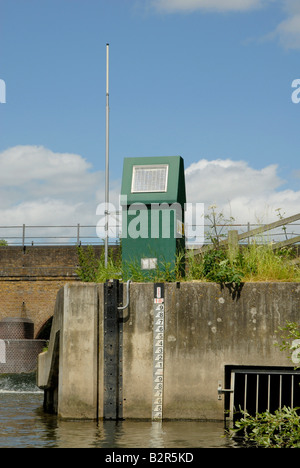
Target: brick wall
x=30, y=279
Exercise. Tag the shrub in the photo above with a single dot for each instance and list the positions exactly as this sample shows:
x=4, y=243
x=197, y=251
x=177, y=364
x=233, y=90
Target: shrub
x=88, y=264
x=218, y=268
x=278, y=430
x=252, y=263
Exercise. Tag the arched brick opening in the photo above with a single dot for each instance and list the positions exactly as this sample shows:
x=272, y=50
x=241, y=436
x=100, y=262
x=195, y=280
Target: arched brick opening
x=45, y=330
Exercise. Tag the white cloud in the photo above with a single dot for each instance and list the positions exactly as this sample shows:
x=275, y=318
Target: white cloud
x=239, y=190
x=207, y=5
x=58, y=172
x=39, y=187
x=288, y=31
x=43, y=188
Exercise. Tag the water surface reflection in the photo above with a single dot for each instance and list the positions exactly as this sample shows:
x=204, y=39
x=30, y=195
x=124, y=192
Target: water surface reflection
x=23, y=424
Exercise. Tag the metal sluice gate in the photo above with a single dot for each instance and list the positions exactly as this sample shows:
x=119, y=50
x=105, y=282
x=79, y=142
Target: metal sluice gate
x=113, y=342
x=113, y=349
x=258, y=389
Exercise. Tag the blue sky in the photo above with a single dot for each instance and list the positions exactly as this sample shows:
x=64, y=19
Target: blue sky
x=208, y=80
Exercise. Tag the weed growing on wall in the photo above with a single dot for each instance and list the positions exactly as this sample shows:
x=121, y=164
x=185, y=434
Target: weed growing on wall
x=88, y=264
x=219, y=262
x=91, y=269
x=260, y=262
x=253, y=263
x=218, y=268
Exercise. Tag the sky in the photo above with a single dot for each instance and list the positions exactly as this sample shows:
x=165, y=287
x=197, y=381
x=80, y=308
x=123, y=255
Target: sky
x=213, y=81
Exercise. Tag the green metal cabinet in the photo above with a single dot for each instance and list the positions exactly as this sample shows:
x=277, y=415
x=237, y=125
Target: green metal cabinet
x=153, y=197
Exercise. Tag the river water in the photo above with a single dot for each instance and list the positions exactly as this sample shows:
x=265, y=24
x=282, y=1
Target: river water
x=23, y=424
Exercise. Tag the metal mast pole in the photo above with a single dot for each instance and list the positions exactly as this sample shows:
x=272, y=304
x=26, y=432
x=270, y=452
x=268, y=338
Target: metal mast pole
x=107, y=156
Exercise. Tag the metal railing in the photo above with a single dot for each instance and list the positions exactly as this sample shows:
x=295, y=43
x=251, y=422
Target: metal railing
x=26, y=235
x=265, y=234
x=78, y=234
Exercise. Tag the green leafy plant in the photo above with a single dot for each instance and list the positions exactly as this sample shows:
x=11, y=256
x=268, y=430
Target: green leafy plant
x=218, y=268
x=164, y=272
x=113, y=270
x=194, y=267
x=221, y=263
x=92, y=269
x=280, y=429
x=253, y=263
x=88, y=264
x=132, y=270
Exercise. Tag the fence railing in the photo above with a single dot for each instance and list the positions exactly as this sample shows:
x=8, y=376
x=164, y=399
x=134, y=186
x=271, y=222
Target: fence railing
x=26, y=235
x=281, y=233
x=234, y=238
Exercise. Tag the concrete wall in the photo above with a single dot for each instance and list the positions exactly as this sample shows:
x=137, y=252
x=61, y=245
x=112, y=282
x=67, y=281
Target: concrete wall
x=206, y=329
x=68, y=371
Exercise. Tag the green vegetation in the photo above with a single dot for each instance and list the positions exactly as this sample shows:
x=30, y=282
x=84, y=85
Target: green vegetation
x=94, y=270
x=220, y=263
x=253, y=263
x=266, y=430
x=280, y=429
x=261, y=263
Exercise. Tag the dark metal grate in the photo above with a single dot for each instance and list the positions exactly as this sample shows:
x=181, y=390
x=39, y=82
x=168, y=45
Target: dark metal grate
x=260, y=390
x=16, y=328
x=19, y=356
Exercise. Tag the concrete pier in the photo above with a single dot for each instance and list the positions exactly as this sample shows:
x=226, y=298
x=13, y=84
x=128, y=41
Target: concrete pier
x=207, y=328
